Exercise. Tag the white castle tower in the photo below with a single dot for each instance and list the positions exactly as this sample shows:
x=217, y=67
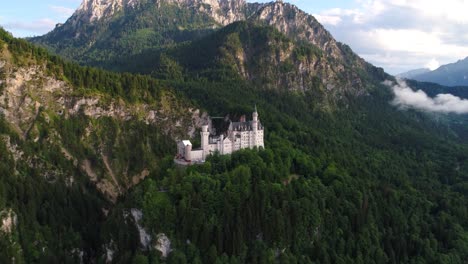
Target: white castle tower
x=255, y=128
x=204, y=136
x=205, y=141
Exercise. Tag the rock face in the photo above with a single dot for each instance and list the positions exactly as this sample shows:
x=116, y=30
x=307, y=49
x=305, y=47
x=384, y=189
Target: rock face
x=163, y=245
x=298, y=25
x=8, y=221
x=338, y=67
x=273, y=61
x=37, y=105
x=20, y=102
x=94, y=10
x=28, y=90
x=162, y=242
x=222, y=11
x=145, y=238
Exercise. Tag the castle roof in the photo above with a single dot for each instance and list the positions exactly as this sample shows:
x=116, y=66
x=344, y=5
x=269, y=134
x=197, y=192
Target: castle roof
x=186, y=143
x=243, y=126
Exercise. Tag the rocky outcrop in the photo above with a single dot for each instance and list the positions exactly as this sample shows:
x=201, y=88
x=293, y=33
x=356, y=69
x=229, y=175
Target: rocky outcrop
x=222, y=11
x=94, y=10
x=34, y=103
x=163, y=245
x=145, y=238
x=162, y=242
x=8, y=221
x=338, y=66
x=296, y=24
x=20, y=102
x=29, y=92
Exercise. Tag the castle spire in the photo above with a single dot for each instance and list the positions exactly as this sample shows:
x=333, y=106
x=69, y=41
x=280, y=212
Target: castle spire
x=255, y=115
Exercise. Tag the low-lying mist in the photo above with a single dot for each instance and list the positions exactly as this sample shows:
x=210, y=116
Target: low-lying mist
x=406, y=98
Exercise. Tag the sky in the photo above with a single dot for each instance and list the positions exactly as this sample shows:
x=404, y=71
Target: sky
x=397, y=35
x=26, y=18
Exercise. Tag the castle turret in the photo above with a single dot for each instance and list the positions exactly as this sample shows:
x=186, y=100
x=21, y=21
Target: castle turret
x=254, y=127
x=255, y=115
x=205, y=141
x=188, y=150
x=221, y=144
x=204, y=136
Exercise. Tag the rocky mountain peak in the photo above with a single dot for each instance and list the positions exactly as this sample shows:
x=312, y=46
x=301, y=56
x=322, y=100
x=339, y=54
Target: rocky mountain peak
x=93, y=10
x=297, y=24
x=155, y=23
x=222, y=11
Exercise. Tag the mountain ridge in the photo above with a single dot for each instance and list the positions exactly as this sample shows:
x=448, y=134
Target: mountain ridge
x=87, y=34
x=286, y=17
x=223, y=11
x=452, y=74
x=101, y=49
x=413, y=73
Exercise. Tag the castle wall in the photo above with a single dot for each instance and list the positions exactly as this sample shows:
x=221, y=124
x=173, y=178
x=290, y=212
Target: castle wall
x=236, y=145
x=209, y=149
x=259, y=139
x=197, y=155
x=227, y=148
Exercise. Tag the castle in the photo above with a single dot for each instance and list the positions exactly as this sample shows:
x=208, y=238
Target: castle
x=240, y=135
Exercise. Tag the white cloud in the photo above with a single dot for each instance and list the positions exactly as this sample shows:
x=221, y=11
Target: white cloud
x=329, y=19
x=34, y=26
x=334, y=16
x=402, y=35
x=432, y=64
x=450, y=10
x=62, y=11
x=405, y=98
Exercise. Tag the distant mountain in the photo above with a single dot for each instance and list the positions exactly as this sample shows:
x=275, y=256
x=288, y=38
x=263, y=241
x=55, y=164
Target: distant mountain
x=102, y=30
x=297, y=52
x=454, y=74
x=413, y=73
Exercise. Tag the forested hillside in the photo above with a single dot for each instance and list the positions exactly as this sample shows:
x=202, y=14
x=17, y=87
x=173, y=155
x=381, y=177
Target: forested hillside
x=362, y=183
x=130, y=30
x=329, y=188
x=73, y=140
x=87, y=172
x=256, y=53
